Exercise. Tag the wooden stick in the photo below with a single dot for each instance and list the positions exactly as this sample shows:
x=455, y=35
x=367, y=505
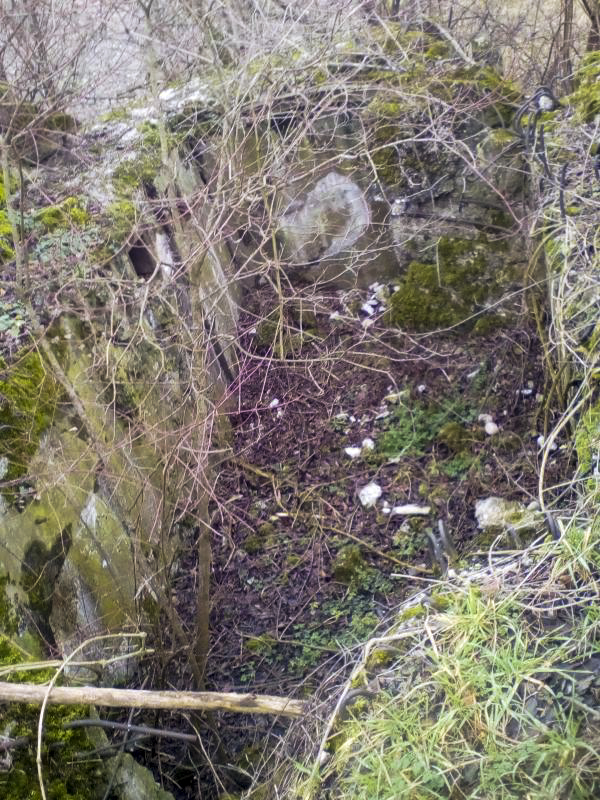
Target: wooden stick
x=138, y=698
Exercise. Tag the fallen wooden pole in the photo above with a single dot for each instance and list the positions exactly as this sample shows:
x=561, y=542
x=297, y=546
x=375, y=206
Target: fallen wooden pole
x=141, y=698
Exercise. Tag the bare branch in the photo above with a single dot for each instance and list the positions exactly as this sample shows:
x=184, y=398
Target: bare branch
x=133, y=698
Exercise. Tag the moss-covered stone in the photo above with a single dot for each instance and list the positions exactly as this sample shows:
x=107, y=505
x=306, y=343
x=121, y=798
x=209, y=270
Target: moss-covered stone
x=70, y=213
x=63, y=776
x=34, y=133
x=586, y=97
x=133, y=173
x=143, y=167
x=441, y=294
x=349, y=566
x=409, y=96
x=413, y=612
x=500, y=95
x=120, y=217
x=448, y=292
x=379, y=658
x=437, y=50
x=28, y=399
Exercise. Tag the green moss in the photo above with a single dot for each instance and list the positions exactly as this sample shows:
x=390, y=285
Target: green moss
x=116, y=115
x=501, y=95
x=262, y=645
x=64, y=777
x=349, y=566
x=502, y=137
x=131, y=174
x=28, y=399
x=394, y=39
x=440, y=601
x=120, y=217
x=414, y=612
x=267, y=330
x=449, y=291
x=379, y=658
x=253, y=544
x=320, y=76
x=411, y=428
x=587, y=438
x=586, y=98
x=5, y=229
x=457, y=467
x=573, y=210
x=40, y=569
x=8, y=618
x=68, y=214
x=266, y=529
x=386, y=110
x=60, y=121
x=422, y=303
x=7, y=252
x=489, y=323
x=406, y=96
x=455, y=436
x=437, y=50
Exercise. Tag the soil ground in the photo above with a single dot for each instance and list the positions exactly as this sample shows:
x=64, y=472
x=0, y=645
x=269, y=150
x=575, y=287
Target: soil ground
x=302, y=571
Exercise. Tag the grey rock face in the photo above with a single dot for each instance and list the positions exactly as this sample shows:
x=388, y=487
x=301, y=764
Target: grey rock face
x=330, y=220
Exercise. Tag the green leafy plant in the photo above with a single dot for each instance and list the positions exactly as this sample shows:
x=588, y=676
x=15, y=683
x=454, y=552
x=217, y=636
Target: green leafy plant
x=412, y=426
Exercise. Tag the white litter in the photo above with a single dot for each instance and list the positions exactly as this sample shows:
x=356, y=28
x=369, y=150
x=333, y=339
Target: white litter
x=368, y=444
x=411, y=510
x=274, y=403
x=353, y=452
x=370, y=494
x=491, y=428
